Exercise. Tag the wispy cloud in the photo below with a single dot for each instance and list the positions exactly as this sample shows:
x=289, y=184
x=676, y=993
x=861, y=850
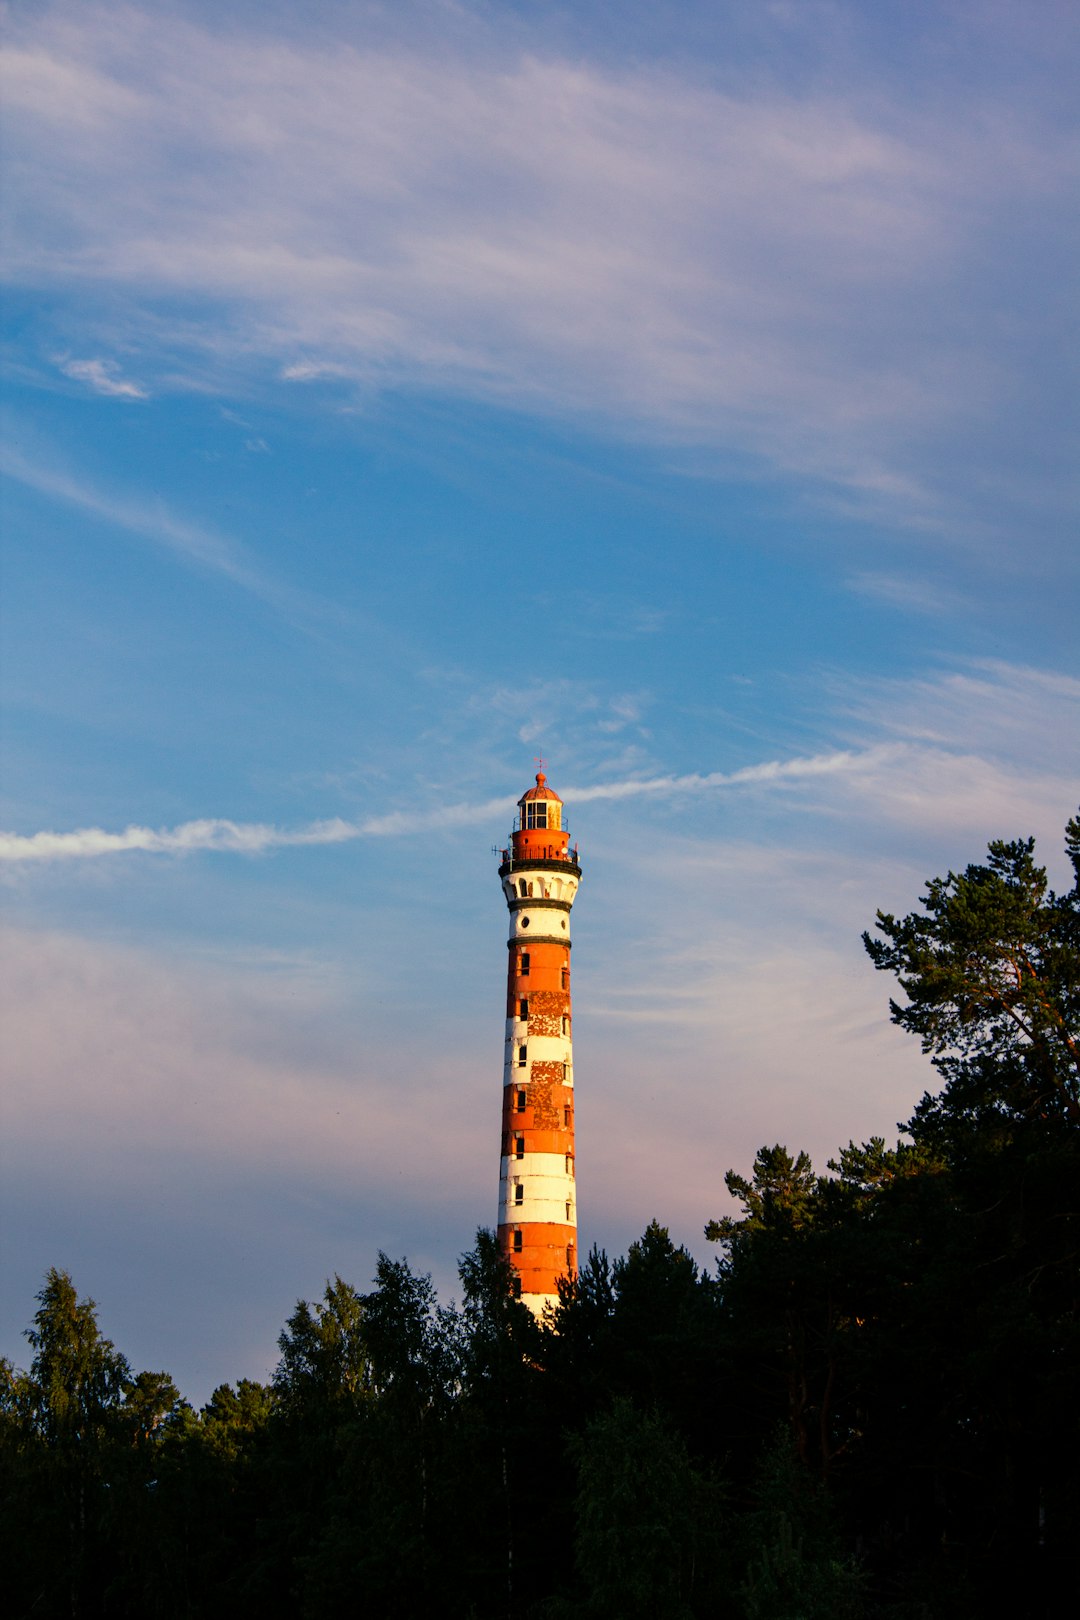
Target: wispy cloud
x=103, y=376
x=196, y=544
x=960, y=749
x=313, y=370
x=253, y=838
x=775, y=771
x=905, y=593
x=1001, y=711
x=248, y=838
x=792, y=277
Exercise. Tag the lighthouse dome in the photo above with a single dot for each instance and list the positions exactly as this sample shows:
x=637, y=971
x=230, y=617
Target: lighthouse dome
x=540, y=791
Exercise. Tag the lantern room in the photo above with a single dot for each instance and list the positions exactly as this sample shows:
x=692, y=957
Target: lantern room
x=540, y=808
x=538, y=834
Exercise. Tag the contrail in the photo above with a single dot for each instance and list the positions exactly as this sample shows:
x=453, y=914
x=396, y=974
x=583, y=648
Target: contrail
x=252, y=837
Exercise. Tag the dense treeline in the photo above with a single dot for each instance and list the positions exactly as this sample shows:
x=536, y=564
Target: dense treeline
x=869, y=1408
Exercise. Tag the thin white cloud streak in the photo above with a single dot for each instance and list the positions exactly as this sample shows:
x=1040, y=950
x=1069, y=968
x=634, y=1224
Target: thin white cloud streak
x=929, y=787
x=103, y=377
x=905, y=593
x=209, y=834
x=989, y=744
x=792, y=277
x=846, y=762
x=253, y=838
x=193, y=543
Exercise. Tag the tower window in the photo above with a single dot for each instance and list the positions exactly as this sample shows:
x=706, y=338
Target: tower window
x=565, y=1118
x=519, y=1193
x=565, y=1024
x=536, y=813
x=570, y=1256
x=522, y=1099
x=566, y=978
x=569, y=1207
x=569, y=1159
x=518, y=1239
x=519, y=1150
x=517, y=1287
x=523, y=1056
x=523, y=1008
x=523, y=887
x=524, y=965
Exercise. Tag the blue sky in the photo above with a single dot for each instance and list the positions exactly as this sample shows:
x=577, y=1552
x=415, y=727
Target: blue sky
x=685, y=394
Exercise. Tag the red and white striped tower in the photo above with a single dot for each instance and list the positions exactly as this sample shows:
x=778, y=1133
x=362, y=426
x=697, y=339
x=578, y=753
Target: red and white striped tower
x=537, y=1200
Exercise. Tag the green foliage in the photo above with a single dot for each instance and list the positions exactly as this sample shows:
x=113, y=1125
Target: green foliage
x=232, y=1417
x=409, y=1339
x=499, y=1332
x=647, y=1525
x=795, y=1567
x=654, y=1274
x=991, y=970
x=324, y=1355
x=78, y=1380
x=779, y=1198
x=381, y=1519
x=81, y=1440
x=662, y=1347
x=586, y=1305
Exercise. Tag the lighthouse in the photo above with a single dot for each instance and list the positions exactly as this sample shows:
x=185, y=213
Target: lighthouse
x=537, y=1194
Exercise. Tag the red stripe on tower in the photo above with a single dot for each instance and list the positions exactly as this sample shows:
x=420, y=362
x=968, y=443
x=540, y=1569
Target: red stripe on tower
x=537, y=1192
